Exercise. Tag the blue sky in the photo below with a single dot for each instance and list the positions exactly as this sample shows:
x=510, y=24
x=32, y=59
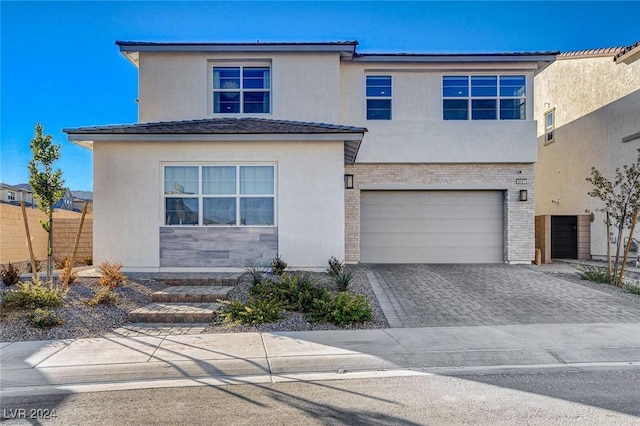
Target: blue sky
x=60, y=66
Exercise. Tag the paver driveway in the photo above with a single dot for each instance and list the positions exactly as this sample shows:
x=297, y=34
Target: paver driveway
x=470, y=295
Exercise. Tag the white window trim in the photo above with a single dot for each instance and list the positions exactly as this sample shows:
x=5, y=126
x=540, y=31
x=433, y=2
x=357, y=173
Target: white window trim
x=11, y=196
x=200, y=196
x=497, y=98
x=390, y=98
x=238, y=64
x=551, y=128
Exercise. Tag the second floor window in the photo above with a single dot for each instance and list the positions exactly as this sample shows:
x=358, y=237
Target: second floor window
x=549, y=126
x=484, y=97
x=241, y=90
x=378, y=97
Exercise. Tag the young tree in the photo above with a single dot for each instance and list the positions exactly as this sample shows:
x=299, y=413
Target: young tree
x=621, y=198
x=47, y=184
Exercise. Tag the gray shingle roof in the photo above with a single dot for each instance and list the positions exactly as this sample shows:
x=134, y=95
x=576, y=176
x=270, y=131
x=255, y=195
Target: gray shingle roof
x=245, y=125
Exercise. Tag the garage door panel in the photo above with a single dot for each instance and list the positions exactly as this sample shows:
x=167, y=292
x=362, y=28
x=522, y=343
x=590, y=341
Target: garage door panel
x=431, y=226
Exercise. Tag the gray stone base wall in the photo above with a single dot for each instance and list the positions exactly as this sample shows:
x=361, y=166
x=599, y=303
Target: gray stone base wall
x=518, y=215
x=217, y=246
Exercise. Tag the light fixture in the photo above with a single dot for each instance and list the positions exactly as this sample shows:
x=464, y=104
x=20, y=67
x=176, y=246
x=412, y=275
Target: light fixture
x=348, y=181
x=523, y=195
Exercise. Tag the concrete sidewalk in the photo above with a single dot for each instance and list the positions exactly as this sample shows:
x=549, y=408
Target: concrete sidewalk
x=187, y=360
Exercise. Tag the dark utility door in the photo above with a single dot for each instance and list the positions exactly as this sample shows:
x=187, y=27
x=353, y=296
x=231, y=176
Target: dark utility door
x=564, y=237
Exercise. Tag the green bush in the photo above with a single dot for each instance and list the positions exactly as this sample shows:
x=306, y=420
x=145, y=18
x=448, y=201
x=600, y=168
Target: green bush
x=43, y=318
x=633, y=289
x=29, y=295
x=255, y=311
x=278, y=266
x=342, y=309
x=104, y=296
x=593, y=273
x=256, y=275
x=291, y=292
x=10, y=274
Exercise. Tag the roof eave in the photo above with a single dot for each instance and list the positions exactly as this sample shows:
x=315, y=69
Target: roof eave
x=630, y=56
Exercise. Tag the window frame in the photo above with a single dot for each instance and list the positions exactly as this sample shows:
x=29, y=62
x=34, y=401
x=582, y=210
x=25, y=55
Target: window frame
x=238, y=196
x=213, y=65
x=378, y=97
x=11, y=196
x=470, y=99
x=550, y=129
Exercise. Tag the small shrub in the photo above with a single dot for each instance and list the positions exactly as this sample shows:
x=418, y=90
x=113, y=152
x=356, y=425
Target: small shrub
x=104, y=296
x=255, y=311
x=30, y=267
x=88, y=260
x=10, y=274
x=342, y=309
x=634, y=289
x=111, y=275
x=593, y=273
x=256, y=274
x=342, y=280
x=278, y=266
x=29, y=295
x=43, y=318
x=336, y=267
x=293, y=293
x=59, y=263
x=64, y=273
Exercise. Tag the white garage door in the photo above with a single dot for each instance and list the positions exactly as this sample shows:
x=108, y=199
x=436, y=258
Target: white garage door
x=431, y=227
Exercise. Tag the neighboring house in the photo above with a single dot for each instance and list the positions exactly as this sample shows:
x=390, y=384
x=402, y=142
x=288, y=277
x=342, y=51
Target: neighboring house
x=15, y=194
x=66, y=202
x=587, y=105
x=243, y=151
x=80, y=197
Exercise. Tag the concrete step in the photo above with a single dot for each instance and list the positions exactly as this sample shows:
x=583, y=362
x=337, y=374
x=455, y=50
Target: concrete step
x=200, y=281
x=191, y=294
x=175, y=313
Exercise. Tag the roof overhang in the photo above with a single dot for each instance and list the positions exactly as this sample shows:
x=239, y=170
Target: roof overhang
x=131, y=49
x=628, y=55
x=351, y=137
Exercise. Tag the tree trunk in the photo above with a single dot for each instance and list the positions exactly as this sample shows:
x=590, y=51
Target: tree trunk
x=609, y=271
x=634, y=220
x=50, y=251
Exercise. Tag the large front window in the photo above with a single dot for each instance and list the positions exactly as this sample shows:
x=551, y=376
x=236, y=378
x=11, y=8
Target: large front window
x=484, y=97
x=241, y=90
x=231, y=195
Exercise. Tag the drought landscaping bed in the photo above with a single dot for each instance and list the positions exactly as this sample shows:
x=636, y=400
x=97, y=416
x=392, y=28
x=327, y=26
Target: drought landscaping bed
x=79, y=320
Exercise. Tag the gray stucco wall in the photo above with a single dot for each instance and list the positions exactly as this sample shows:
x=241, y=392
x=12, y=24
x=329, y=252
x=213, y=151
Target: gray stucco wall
x=217, y=247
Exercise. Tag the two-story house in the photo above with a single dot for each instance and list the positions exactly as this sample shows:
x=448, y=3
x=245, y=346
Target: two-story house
x=309, y=150
x=587, y=106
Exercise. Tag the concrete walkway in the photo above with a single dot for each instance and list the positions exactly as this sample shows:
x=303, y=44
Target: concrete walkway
x=210, y=359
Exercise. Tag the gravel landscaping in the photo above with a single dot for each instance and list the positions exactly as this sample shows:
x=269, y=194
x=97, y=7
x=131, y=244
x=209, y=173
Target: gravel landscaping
x=84, y=321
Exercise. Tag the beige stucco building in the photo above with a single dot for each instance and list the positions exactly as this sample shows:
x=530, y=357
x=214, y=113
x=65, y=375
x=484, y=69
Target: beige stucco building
x=311, y=150
x=587, y=108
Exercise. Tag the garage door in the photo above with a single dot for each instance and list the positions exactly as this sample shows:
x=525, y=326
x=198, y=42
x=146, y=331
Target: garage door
x=431, y=227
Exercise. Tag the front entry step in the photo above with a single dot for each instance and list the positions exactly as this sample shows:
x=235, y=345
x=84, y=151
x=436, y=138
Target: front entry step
x=175, y=313
x=191, y=294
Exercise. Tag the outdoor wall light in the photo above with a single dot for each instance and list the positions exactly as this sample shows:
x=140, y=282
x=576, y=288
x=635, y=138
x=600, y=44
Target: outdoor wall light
x=523, y=195
x=348, y=181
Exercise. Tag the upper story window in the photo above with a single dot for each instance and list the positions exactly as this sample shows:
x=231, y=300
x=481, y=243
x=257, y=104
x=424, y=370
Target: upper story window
x=549, y=126
x=241, y=90
x=379, y=97
x=484, y=97
x=11, y=196
x=233, y=195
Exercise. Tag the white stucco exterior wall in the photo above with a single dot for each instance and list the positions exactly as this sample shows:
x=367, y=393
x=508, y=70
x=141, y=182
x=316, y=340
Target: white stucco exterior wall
x=417, y=132
x=596, y=104
x=129, y=208
x=178, y=86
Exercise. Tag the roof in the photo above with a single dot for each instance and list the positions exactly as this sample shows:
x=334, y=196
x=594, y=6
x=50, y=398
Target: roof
x=628, y=54
x=83, y=195
x=223, y=129
x=347, y=50
x=21, y=187
x=590, y=53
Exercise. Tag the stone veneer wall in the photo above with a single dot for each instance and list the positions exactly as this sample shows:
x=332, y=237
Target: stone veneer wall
x=217, y=246
x=518, y=215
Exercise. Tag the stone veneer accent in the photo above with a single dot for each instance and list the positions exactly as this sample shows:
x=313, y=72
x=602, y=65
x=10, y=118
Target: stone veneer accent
x=518, y=215
x=217, y=246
